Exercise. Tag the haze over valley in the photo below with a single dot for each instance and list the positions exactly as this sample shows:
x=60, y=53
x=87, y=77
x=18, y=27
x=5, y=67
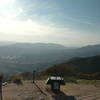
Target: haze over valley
x=25, y=57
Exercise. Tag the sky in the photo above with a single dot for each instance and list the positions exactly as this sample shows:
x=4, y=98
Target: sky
x=66, y=22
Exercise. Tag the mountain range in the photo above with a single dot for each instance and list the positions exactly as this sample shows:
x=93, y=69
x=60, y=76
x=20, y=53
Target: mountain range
x=20, y=57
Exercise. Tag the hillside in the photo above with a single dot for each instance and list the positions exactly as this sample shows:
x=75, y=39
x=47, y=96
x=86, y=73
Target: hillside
x=86, y=64
x=75, y=66
x=21, y=57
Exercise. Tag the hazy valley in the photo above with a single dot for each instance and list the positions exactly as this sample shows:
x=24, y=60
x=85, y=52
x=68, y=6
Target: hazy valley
x=25, y=57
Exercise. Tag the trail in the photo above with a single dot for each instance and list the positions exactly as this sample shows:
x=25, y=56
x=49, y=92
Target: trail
x=38, y=91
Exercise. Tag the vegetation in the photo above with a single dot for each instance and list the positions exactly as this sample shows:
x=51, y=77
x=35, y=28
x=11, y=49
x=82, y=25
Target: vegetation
x=89, y=82
x=93, y=76
x=76, y=70
x=60, y=70
x=86, y=68
x=23, y=57
x=22, y=76
x=87, y=64
x=17, y=79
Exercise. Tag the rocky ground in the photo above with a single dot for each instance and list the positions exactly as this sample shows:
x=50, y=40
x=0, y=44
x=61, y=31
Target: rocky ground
x=40, y=91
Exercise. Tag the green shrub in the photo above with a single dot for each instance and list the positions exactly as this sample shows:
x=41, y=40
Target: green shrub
x=16, y=79
x=71, y=79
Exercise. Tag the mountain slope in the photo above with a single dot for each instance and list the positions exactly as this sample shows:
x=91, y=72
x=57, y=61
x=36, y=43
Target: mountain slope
x=87, y=64
x=74, y=66
x=21, y=57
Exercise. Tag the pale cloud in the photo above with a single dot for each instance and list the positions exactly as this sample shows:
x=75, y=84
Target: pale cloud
x=29, y=27
x=20, y=10
x=12, y=13
x=36, y=22
x=31, y=31
x=35, y=31
x=4, y=3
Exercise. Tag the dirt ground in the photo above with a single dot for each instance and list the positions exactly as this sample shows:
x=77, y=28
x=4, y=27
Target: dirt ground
x=40, y=91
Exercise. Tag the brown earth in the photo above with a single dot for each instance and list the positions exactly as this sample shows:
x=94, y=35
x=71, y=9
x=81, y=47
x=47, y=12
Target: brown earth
x=40, y=91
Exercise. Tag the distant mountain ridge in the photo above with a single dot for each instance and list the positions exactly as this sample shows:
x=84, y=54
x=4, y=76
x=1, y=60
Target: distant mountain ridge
x=20, y=57
x=5, y=43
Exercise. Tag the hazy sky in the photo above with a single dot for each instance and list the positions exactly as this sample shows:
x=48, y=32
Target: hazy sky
x=67, y=22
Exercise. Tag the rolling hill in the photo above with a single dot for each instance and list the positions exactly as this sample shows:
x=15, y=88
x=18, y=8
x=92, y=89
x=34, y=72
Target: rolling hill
x=20, y=57
x=88, y=65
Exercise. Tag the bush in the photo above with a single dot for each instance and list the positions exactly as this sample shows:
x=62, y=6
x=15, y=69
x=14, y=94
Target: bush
x=17, y=79
x=71, y=79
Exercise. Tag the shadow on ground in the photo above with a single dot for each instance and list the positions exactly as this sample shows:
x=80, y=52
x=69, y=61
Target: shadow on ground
x=62, y=96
